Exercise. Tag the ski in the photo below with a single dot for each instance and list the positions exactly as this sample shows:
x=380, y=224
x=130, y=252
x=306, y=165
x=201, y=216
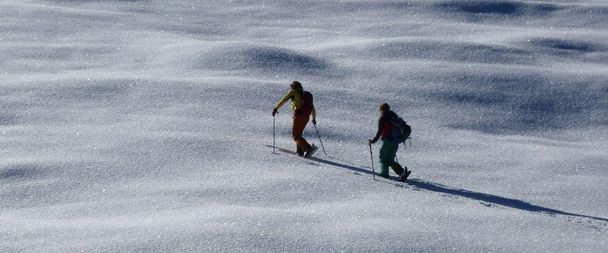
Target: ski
x=291, y=152
x=344, y=165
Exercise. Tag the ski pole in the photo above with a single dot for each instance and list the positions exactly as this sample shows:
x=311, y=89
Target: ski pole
x=372, y=158
x=320, y=139
x=273, y=134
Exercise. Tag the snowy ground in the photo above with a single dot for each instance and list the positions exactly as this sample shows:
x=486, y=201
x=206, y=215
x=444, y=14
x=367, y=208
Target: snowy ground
x=144, y=126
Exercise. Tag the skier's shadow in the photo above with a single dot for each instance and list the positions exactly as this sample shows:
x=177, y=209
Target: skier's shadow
x=483, y=197
x=494, y=199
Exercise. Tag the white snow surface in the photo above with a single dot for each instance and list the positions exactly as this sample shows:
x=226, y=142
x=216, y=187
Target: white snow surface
x=145, y=126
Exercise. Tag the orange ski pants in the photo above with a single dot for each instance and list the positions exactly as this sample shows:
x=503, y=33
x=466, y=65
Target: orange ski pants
x=299, y=123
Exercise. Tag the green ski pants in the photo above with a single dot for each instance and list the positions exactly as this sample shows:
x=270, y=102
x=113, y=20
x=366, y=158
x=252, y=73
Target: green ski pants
x=388, y=151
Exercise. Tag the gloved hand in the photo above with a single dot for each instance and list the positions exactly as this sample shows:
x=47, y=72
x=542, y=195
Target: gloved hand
x=274, y=112
x=314, y=122
x=370, y=141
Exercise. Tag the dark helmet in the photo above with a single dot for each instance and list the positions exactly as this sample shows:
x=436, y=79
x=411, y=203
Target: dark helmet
x=384, y=107
x=296, y=85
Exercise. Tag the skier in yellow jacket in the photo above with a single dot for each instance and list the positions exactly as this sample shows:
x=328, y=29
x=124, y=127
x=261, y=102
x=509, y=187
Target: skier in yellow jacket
x=303, y=109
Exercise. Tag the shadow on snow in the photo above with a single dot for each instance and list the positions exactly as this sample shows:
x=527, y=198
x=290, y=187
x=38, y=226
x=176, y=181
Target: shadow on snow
x=494, y=199
x=435, y=187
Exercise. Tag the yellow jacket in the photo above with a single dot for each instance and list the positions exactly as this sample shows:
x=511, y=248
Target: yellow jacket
x=296, y=102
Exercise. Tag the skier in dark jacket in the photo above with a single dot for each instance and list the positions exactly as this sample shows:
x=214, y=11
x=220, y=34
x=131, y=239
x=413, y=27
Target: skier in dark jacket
x=389, y=148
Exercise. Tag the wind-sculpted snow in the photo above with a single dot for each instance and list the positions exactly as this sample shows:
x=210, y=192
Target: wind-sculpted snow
x=570, y=49
x=8, y=118
x=526, y=101
x=589, y=16
x=22, y=172
x=45, y=57
x=496, y=11
x=261, y=58
x=146, y=126
x=504, y=8
x=450, y=51
x=543, y=13
x=574, y=46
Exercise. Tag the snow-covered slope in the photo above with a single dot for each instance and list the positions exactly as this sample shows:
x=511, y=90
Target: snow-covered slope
x=145, y=126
